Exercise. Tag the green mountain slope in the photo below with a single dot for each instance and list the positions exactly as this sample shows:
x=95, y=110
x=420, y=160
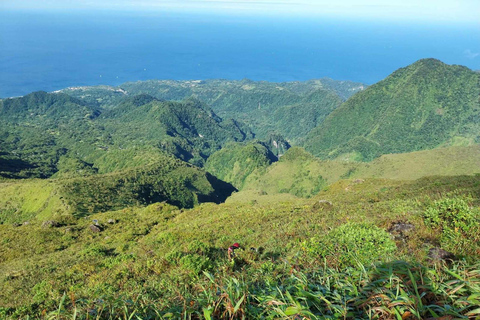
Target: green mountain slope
x=189, y=130
x=36, y=130
x=301, y=174
x=162, y=262
x=265, y=106
x=40, y=129
x=423, y=106
x=235, y=162
x=167, y=180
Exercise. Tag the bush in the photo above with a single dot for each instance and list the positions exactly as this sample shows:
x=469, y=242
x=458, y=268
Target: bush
x=196, y=263
x=350, y=244
x=197, y=246
x=456, y=223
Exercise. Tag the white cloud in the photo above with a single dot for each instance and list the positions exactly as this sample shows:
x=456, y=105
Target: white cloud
x=471, y=55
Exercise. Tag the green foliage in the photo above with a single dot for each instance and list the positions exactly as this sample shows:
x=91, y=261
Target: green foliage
x=72, y=167
x=291, y=109
x=148, y=262
x=297, y=172
x=43, y=133
x=196, y=263
x=457, y=223
x=236, y=162
x=351, y=244
x=170, y=180
x=423, y=106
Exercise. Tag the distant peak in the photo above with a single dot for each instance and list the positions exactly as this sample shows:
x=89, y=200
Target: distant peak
x=430, y=62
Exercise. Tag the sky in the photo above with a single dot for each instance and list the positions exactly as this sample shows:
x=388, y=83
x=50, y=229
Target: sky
x=451, y=11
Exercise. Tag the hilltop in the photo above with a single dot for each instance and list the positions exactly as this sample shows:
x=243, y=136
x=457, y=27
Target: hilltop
x=426, y=105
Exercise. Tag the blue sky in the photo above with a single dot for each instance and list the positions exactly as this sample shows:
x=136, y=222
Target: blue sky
x=464, y=11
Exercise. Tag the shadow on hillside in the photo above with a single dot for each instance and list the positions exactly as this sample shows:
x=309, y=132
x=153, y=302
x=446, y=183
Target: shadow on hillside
x=9, y=167
x=222, y=190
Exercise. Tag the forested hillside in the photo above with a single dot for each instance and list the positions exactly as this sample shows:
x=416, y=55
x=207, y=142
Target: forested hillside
x=423, y=106
x=40, y=129
x=291, y=109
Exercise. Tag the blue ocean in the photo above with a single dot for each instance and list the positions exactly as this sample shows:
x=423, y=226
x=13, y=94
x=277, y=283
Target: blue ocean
x=53, y=50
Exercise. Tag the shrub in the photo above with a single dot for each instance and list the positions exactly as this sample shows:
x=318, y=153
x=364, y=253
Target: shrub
x=350, y=244
x=456, y=223
x=196, y=263
x=197, y=246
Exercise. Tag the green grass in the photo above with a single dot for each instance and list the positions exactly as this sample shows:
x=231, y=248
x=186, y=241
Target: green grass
x=301, y=174
x=150, y=263
x=32, y=199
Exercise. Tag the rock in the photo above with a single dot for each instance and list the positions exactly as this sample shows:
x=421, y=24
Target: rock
x=111, y=221
x=26, y=223
x=400, y=230
x=438, y=254
x=50, y=224
x=323, y=205
x=95, y=228
x=325, y=202
x=358, y=181
x=401, y=227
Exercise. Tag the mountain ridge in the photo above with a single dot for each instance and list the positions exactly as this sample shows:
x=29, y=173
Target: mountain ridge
x=424, y=105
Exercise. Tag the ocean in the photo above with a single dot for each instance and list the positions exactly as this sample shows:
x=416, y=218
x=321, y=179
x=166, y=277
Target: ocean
x=53, y=50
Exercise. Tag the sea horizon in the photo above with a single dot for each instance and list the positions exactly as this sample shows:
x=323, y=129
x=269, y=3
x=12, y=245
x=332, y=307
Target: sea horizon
x=53, y=50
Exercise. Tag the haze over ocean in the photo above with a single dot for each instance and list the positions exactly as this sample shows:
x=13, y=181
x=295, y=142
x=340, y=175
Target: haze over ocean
x=52, y=50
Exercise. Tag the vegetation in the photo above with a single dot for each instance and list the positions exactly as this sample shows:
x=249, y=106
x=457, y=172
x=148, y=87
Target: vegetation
x=125, y=224
x=235, y=162
x=290, y=109
x=423, y=106
x=161, y=262
x=44, y=133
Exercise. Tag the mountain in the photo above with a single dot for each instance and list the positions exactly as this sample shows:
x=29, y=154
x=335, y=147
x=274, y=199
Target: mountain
x=167, y=180
x=423, y=106
x=290, y=108
x=237, y=161
x=123, y=226
x=190, y=130
x=35, y=131
x=41, y=128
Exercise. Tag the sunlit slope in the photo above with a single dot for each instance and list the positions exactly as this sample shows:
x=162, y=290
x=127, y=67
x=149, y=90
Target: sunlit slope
x=43, y=133
x=24, y=200
x=150, y=251
x=237, y=162
x=423, y=106
x=301, y=174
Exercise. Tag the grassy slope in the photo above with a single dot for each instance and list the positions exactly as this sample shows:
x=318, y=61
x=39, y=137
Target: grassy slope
x=169, y=180
x=143, y=254
x=425, y=105
x=301, y=174
x=236, y=162
x=32, y=199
